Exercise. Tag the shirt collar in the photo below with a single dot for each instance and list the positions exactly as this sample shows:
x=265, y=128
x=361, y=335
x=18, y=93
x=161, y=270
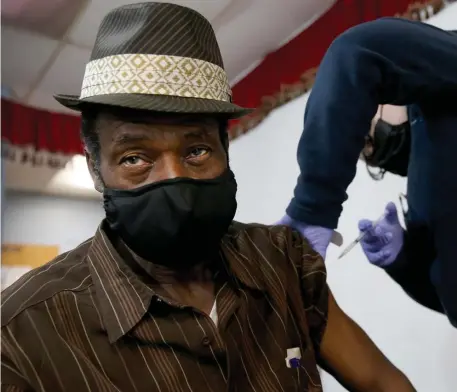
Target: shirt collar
x=244, y=260
x=124, y=299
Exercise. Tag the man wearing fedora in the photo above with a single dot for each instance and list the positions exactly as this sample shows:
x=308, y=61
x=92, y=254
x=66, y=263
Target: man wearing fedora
x=171, y=294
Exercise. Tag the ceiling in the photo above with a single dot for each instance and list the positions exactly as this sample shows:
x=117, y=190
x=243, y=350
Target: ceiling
x=36, y=67
x=46, y=43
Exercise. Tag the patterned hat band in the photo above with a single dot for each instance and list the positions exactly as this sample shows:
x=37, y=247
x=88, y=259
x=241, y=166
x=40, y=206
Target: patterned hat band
x=157, y=75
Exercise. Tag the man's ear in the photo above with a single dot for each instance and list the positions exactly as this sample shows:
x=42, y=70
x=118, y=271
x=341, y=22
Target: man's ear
x=94, y=172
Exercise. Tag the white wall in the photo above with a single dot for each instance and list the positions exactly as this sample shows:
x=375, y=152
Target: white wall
x=417, y=340
x=48, y=220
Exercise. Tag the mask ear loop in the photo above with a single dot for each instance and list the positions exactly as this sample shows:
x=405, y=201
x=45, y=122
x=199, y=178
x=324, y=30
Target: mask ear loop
x=376, y=176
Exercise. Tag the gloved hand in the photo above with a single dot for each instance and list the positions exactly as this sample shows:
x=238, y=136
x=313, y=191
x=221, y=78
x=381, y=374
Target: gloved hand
x=318, y=237
x=383, y=243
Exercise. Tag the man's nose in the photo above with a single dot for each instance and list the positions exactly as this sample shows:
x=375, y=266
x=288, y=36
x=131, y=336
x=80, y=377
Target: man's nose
x=171, y=166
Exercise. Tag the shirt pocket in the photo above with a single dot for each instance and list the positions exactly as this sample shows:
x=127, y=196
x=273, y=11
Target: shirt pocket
x=300, y=378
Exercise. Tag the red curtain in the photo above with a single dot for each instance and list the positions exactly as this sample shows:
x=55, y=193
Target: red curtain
x=56, y=132
x=286, y=66
x=53, y=132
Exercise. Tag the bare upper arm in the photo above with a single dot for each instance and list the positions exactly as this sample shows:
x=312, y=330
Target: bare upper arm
x=353, y=359
x=341, y=345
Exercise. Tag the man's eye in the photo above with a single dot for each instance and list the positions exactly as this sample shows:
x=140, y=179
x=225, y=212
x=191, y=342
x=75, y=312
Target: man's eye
x=198, y=152
x=132, y=160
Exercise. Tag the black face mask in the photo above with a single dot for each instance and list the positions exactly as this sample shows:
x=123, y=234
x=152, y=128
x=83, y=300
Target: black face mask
x=391, y=148
x=177, y=222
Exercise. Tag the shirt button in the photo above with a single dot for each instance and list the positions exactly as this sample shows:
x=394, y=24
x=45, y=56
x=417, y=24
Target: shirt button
x=206, y=341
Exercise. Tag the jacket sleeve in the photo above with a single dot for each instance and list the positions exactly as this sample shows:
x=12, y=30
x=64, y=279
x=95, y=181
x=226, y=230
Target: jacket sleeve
x=411, y=269
x=389, y=60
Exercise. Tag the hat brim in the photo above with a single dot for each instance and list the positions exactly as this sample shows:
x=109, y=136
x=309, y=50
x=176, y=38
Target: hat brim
x=157, y=103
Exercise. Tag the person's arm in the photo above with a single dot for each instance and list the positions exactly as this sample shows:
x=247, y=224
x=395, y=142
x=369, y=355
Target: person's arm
x=411, y=270
x=341, y=347
x=348, y=354
x=389, y=60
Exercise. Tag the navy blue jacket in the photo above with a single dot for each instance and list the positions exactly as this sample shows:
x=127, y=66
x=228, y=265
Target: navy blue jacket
x=416, y=263
x=387, y=61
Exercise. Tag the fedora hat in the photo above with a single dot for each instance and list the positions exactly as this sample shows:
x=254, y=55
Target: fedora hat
x=159, y=57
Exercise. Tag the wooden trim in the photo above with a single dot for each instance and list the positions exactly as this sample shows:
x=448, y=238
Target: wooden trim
x=33, y=256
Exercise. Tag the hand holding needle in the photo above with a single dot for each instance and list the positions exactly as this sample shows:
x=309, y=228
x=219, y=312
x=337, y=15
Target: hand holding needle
x=358, y=239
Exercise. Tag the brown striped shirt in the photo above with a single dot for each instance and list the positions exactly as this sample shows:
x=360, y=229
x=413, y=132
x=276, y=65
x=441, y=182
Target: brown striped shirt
x=87, y=321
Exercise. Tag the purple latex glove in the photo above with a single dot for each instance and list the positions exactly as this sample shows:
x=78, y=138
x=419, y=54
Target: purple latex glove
x=383, y=243
x=318, y=237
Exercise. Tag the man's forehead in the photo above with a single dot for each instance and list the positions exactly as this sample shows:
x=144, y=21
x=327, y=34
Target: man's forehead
x=146, y=118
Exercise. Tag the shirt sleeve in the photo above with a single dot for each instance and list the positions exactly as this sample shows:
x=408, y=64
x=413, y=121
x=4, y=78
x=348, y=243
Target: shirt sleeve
x=314, y=288
x=12, y=388
x=12, y=379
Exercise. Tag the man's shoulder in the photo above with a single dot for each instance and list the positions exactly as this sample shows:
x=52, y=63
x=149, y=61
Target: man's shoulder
x=268, y=236
x=274, y=248
x=68, y=272
x=270, y=248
